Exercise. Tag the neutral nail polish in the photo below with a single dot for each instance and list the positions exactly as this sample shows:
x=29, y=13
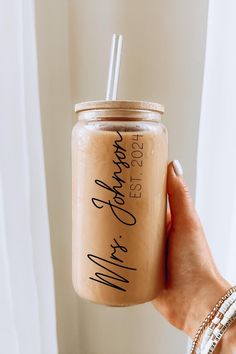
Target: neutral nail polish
x=178, y=168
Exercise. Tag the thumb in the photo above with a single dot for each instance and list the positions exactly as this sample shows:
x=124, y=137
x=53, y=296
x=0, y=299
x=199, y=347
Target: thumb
x=183, y=213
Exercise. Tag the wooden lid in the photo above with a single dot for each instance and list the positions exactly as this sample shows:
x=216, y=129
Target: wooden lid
x=122, y=105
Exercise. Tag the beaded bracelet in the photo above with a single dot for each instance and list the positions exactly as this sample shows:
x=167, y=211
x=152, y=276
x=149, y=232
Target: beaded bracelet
x=208, y=319
x=220, y=314
x=219, y=332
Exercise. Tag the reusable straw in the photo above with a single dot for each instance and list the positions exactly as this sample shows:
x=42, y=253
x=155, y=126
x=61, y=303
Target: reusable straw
x=114, y=67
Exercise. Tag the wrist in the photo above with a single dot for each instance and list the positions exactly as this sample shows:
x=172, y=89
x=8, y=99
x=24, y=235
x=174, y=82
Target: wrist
x=228, y=342
x=203, y=302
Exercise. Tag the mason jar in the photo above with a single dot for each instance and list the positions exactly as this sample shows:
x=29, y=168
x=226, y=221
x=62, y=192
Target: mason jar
x=119, y=170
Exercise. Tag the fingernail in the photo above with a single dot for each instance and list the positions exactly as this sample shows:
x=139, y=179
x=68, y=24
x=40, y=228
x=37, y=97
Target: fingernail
x=178, y=168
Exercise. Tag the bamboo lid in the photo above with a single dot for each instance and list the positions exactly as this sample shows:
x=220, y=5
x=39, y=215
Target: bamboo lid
x=120, y=105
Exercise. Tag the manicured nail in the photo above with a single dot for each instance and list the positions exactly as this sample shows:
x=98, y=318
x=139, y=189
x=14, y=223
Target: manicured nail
x=178, y=168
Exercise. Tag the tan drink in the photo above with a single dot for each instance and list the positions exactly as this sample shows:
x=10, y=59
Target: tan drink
x=119, y=161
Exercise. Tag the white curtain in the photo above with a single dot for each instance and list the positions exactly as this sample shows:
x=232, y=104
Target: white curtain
x=27, y=309
x=216, y=166
x=27, y=304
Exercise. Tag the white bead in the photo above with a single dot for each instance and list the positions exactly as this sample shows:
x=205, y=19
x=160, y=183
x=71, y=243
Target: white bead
x=216, y=320
x=225, y=306
x=227, y=303
x=230, y=312
x=207, y=347
x=228, y=307
x=206, y=337
x=224, y=321
x=216, y=331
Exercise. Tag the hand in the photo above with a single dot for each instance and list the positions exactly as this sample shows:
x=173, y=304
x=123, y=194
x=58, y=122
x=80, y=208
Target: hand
x=193, y=283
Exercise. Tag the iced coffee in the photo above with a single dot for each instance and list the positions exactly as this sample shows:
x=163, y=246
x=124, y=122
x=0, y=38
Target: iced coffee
x=119, y=167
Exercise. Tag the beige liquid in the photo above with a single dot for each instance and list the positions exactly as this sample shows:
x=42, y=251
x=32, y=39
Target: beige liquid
x=122, y=250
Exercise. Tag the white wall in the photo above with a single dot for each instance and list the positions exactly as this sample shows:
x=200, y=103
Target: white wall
x=162, y=61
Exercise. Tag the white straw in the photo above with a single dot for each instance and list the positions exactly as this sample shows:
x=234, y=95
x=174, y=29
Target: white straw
x=114, y=67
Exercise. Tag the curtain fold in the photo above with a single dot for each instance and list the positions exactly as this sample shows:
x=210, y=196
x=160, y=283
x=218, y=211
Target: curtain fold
x=216, y=168
x=27, y=320
x=27, y=304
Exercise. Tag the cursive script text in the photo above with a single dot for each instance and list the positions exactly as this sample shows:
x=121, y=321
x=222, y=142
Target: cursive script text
x=110, y=277
x=117, y=204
